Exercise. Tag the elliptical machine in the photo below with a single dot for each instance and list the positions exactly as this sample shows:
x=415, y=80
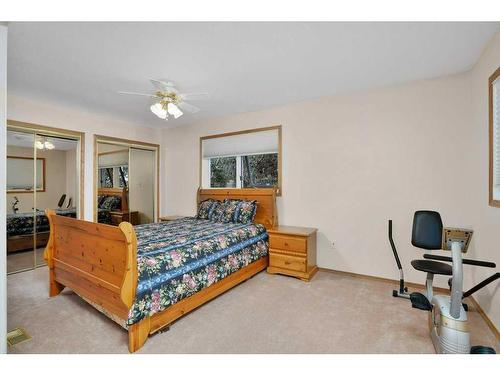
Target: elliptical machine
x=447, y=314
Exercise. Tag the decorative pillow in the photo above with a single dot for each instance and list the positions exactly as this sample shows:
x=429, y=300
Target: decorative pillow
x=205, y=209
x=245, y=212
x=217, y=211
x=229, y=211
x=100, y=199
x=111, y=202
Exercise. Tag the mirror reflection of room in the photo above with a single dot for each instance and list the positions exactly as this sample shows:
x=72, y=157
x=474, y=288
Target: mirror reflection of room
x=56, y=179
x=112, y=185
x=126, y=178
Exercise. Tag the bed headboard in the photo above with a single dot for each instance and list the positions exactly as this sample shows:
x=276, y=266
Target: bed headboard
x=266, y=215
x=122, y=193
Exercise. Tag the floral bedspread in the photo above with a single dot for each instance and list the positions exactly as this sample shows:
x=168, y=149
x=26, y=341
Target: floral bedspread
x=179, y=258
x=22, y=223
x=19, y=224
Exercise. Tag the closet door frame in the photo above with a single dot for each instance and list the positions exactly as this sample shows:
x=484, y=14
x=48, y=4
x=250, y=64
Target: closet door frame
x=38, y=129
x=131, y=144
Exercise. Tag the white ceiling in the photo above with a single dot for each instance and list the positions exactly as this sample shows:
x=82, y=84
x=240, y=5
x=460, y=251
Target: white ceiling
x=243, y=66
x=19, y=139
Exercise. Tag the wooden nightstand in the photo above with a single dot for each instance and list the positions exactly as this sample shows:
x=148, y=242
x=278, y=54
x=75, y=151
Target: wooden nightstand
x=292, y=251
x=171, y=217
x=118, y=216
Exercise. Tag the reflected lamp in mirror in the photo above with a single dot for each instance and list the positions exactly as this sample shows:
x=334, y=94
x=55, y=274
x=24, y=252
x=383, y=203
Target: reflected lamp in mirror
x=244, y=159
x=494, y=135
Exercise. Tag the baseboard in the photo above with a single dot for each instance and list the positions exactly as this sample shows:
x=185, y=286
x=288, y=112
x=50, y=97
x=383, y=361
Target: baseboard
x=481, y=312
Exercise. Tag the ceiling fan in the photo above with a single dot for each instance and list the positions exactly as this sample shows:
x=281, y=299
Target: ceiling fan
x=169, y=101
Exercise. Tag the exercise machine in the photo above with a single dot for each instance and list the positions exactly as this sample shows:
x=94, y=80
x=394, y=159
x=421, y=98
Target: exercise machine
x=447, y=314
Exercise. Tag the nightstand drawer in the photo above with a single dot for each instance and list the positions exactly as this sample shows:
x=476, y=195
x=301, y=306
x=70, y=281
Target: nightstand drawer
x=288, y=243
x=287, y=262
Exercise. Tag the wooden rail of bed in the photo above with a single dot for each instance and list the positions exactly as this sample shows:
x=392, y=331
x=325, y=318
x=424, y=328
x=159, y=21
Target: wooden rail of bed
x=99, y=262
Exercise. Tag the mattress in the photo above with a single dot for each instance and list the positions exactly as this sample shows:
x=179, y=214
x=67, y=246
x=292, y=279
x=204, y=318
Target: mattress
x=178, y=258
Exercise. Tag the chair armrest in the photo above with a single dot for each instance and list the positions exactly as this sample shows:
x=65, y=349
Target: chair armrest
x=471, y=262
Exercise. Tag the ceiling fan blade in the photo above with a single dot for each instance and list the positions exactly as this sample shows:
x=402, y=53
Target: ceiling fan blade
x=136, y=93
x=195, y=96
x=188, y=107
x=163, y=85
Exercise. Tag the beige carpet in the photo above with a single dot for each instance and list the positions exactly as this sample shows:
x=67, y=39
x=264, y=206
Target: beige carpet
x=22, y=260
x=267, y=314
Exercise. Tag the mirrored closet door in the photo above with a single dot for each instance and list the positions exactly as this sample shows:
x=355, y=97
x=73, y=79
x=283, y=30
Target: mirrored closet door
x=126, y=181
x=43, y=172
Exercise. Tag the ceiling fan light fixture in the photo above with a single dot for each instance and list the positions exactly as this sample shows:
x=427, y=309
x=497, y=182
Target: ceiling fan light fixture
x=42, y=144
x=159, y=111
x=174, y=110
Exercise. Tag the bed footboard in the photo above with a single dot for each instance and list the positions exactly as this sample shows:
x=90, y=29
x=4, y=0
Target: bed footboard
x=97, y=261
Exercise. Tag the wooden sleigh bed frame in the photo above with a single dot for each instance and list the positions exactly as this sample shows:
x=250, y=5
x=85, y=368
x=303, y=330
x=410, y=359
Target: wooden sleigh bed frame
x=99, y=263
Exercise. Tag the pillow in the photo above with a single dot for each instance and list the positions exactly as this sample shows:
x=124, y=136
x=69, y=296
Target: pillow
x=245, y=212
x=234, y=211
x=217, y=211
x=226, y=211
x=205, y=209
x=100, y=199
x=111, y=202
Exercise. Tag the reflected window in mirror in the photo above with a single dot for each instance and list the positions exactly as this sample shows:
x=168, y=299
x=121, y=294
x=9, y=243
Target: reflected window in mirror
x=244, y=159
x=494, y=135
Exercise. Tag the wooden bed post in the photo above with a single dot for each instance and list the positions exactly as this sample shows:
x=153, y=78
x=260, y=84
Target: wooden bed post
x=137, y=333
x=54, y=287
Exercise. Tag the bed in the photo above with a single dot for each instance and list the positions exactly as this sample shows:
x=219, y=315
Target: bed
x=146, y=277
x=20, y=228
x=112, y=206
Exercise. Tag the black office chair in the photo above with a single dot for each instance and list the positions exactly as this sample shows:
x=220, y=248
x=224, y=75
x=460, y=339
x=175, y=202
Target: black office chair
x=61, y=201
x=427, y=234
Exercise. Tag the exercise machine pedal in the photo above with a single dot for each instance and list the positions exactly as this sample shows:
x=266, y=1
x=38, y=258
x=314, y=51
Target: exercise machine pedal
x=420, y=301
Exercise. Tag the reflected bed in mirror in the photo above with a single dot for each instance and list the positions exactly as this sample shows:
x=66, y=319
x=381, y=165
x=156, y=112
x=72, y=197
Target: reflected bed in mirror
x=243, y=159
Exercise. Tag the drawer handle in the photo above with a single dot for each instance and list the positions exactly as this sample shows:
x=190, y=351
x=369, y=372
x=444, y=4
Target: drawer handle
x=287, y=262
x=286, y=243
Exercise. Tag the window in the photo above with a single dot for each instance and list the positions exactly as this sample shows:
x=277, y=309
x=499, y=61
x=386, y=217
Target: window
x=494, y=114
x=259, y=170
x=113, y=177
x=223, y=172
x=246, y=159
x=106, y=177
x=244, y=171
x=123, y=173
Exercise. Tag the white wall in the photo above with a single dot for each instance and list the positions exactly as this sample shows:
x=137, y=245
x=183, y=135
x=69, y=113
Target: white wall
x=3, y=181
x=352, y=162
x=51, y=114
x=486, y=219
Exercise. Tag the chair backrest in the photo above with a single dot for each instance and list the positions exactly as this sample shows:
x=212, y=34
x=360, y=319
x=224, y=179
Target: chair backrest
x=427, y=230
